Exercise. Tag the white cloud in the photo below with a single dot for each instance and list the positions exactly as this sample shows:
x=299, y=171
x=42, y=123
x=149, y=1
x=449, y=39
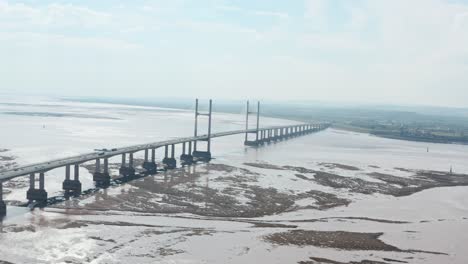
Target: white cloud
x=20, y=16
x=271, y=14
x=265, y=13
x=49, y=41
x=315, y=8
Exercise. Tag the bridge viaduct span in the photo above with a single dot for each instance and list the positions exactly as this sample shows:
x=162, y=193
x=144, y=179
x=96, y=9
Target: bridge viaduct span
x=190, y=154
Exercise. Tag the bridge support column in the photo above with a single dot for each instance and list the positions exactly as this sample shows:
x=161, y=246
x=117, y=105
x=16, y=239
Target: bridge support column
x=69, y=185
x=2, y=203
x=169, y=162
x=127, y=171
x=260, y=138
x=150, y=166
x=258, y=133
x=203, y=155
x=33, y=194
x=186, y=158
x=101, y=178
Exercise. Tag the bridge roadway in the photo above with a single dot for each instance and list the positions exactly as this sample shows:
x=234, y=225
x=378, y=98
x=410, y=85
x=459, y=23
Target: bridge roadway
x=53, y=164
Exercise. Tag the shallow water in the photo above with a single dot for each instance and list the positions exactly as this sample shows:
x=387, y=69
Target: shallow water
x=144, y=221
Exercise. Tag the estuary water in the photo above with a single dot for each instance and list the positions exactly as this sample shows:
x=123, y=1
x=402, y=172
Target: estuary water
x=329, y=196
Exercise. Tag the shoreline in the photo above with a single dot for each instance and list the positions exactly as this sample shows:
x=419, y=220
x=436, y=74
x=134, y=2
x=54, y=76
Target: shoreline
x=411, y=139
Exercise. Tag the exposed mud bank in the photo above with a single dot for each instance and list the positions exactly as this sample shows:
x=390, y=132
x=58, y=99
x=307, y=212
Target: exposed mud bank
x=339, y=166
x=336, y=239
x=389, y=184
x=328, y=261
x=331, y=239
x=208, y=190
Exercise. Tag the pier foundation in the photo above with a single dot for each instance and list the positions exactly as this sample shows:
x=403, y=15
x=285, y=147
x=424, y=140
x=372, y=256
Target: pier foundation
x=170, y=163
x=2, y=203
x=101, y=178
x=251, y=143
x=149, y=166
x=2, y=208
x=72, y=186
x=202, y=155
x=186, y=159
x=127, y=171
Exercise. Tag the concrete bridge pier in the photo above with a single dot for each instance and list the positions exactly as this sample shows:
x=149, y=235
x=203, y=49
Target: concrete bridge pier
x=186, y=158
x=102, y=178
x=33, y=194
x=69, y=185
x=261, y=137
x=127, y=171
x=150, y=166
x=268, y=136
x=2, y=203
x=169, y=162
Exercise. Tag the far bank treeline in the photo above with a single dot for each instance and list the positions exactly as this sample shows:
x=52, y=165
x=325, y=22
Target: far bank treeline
x=416, y=123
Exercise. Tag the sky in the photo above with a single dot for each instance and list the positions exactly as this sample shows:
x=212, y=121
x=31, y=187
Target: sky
x=371, y=51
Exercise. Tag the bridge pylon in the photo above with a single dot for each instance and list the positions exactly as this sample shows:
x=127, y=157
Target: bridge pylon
x=255, y=142
x=197, y=154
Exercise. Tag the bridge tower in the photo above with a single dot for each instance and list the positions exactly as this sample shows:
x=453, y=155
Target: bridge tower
x=248, y=142
x=197, y=154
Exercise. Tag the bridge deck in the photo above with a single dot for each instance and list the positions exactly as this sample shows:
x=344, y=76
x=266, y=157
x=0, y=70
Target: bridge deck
x=53, y=164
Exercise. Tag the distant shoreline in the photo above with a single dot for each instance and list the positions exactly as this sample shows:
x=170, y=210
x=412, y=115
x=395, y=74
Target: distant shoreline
x=408, y=138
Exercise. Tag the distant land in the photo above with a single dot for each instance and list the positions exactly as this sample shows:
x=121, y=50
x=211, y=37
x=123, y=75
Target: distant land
x=414, y=123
